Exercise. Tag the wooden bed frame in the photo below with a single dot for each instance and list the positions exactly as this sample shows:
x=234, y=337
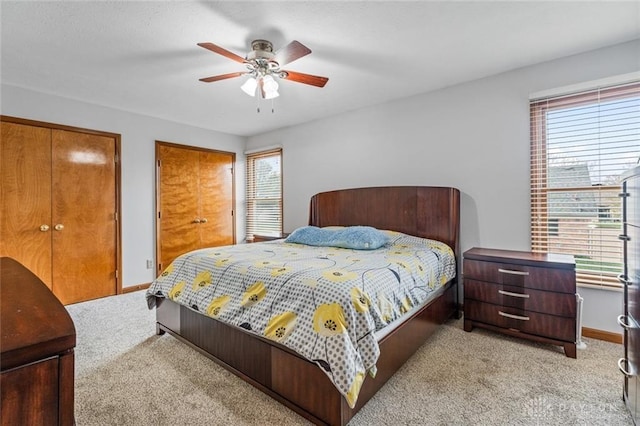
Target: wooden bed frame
x=430, y=212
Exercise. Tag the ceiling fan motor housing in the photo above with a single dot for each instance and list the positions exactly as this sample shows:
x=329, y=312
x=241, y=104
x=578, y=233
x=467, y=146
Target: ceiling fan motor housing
x=261, y=49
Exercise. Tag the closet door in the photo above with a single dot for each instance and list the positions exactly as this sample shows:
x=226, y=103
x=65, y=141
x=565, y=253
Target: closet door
x=84, y=232
x=177, y=199
x=194, y=193
x=25, y=194
x=216, y=199
x=59, y=205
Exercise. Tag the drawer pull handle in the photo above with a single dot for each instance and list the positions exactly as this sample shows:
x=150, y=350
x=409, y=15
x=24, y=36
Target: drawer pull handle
x=621, y=363
x=622, y=321
x=518, y=317
x=508, y=293
x=509, y=271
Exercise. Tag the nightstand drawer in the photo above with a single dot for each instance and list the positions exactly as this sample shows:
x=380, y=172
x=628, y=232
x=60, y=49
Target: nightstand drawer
x=550, y=326
x=550, y=279
x=560, y=304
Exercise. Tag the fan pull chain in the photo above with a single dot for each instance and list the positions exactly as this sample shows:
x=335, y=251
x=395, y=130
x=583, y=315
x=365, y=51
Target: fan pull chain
x=273, y=109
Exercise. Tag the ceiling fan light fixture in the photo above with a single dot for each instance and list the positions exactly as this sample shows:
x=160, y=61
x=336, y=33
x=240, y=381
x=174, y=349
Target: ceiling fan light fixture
x=263, y=66
x=249, y=86
x=271, y=94
x=269, y=84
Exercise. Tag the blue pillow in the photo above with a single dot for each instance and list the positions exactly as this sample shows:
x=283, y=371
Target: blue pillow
x=352, y=237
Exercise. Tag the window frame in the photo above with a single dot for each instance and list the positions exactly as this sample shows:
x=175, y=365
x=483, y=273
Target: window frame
x=252, y=199
x=541, y=222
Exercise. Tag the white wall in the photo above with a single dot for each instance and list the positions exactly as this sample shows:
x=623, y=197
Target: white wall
x=473, y=136
x=138, y=136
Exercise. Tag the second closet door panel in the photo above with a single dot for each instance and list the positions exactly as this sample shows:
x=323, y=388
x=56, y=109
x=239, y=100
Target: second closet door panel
x=179, y=228
x=216, y=199
x=25, y=213
x=84, y=232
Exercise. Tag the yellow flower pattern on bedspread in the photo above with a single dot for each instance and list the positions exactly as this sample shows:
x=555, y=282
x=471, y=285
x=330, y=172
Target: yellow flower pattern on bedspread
x=324, y=303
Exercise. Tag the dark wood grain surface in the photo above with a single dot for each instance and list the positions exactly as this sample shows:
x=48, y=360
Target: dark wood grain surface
x=524, y=294
x=37, y=343
x=34, y=323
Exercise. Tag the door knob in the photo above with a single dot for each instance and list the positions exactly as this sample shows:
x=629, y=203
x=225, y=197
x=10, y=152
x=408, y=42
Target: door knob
x=59, y=227
x=44, y=228
x=203, y=220
x=196, y=221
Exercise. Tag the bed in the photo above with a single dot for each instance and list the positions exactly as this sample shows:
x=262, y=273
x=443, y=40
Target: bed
x=281, y=372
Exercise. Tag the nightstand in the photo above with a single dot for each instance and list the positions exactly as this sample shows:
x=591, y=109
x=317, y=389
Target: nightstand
x=262, y=238
x=522, y=294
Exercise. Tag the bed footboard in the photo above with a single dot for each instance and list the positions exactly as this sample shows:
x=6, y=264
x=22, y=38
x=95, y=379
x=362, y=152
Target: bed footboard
x=284, y=375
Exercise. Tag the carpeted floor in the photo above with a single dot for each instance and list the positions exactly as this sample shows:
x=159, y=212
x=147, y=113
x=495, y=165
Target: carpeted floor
x=126, y=375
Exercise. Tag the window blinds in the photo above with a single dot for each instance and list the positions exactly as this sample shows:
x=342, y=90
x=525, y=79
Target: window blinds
x=264, y=193
x=580, y=145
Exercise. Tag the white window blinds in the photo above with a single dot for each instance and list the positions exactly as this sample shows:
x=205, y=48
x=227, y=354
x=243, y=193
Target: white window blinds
x=264, y=193
x=580, y=145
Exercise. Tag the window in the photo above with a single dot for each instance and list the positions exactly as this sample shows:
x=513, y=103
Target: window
x=580, y=145
x=264, y=193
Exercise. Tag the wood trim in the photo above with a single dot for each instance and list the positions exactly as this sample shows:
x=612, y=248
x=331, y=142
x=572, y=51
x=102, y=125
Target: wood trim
x=118, y=171
x=607, y=336
x=250, y=158
x=47, y=125
x=117, y=137
x=131, y=289
x=193, y=148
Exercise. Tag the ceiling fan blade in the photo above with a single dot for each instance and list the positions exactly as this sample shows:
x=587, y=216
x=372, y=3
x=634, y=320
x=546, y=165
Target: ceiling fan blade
x=291, y=52
x=221, y=51
x=222, y=77
x=299, y=77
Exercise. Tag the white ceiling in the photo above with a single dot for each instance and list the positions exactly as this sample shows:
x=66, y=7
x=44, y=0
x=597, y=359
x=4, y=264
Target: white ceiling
x=142, y=56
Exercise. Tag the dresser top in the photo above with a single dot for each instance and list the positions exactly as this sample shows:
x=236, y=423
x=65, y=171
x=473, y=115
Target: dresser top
x=35, y=325
x=545, y=260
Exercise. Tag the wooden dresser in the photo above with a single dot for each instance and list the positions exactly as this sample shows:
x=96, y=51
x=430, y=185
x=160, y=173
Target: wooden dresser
x=37, y=351
x=523, y=294
x=630, y=278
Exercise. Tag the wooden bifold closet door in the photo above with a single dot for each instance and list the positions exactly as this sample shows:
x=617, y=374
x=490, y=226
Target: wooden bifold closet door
x=195, y=200
x=59, y=207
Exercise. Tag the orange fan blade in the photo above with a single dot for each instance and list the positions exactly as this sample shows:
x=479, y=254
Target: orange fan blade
x=222, y=77
x=299, y=77
x=291, y=52
x=221, y=51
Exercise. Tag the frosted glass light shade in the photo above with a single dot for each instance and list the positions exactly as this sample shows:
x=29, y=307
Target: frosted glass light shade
x=249, y=86
x=271, y=94
x=270, y=87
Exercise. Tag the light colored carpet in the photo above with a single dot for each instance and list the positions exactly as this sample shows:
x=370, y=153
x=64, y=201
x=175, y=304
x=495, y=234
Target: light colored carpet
x=126, y=375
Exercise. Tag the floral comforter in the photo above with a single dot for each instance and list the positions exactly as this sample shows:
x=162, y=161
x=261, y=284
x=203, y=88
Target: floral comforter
x=324, y=303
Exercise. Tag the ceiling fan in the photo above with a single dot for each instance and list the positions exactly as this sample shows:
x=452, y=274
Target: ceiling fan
x=263, y=65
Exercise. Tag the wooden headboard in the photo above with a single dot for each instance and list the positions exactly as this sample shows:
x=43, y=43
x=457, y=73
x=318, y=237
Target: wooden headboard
x=424, y=211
